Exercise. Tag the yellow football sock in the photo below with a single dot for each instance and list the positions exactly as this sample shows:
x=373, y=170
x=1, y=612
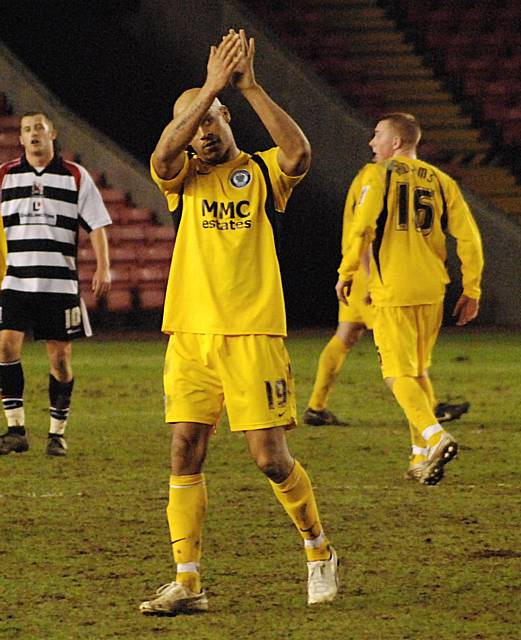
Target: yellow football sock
x=416, y=405
x=296, y=496
x=329, y=364
x=185, y=513
x=418, y=446
x=426, y=384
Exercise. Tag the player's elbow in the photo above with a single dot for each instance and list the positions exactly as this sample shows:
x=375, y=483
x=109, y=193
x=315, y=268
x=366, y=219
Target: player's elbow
x=301, y=158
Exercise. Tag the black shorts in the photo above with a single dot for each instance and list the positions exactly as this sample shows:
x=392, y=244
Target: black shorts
x=49, y=316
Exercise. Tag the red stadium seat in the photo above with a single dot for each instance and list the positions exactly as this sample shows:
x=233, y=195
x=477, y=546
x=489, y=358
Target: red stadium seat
x=135, y=215
x=9, y=153
x=127, y=233
x=150, y=273
x=10, y=138
x=113, y=196
x=160, y=233
x=9, y=123
x=119, y=299
x=152, y=297
x=157, y=252
x=124, y=252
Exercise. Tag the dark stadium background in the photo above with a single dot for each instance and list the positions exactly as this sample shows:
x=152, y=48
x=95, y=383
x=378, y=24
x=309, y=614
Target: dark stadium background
x=116, y=82
x=78, y=50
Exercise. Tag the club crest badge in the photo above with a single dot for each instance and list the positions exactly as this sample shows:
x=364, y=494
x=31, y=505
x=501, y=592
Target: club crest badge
x=240, y=178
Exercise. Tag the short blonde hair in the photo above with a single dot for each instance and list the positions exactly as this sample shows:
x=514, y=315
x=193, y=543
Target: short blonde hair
x=406, y=126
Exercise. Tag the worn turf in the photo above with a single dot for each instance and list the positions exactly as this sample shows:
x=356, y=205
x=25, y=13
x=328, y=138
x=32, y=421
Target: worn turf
x=84, y=539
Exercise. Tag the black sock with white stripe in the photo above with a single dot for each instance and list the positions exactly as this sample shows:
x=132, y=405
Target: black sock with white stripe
x=60, y=402
x=12, y=384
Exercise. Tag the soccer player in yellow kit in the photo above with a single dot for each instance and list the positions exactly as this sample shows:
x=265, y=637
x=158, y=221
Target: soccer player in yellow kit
x=224, y=311
x=353, y=320
x=405, y=208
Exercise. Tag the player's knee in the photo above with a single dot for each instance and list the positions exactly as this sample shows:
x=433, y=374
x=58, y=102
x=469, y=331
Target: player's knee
x=61, y=369
x=276, y=468
x=350, y=334
x=186, y=456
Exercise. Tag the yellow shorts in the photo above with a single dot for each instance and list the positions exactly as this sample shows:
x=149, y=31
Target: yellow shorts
x=250, y=374
x=357, y=311
x=405, y=338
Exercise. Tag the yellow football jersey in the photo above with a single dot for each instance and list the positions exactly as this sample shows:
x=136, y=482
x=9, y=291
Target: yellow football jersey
x=360, y=286
x=405, y=209
x=224, y=276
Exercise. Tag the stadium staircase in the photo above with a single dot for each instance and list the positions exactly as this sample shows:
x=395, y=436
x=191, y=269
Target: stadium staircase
x=140, y=247
x=402, y=56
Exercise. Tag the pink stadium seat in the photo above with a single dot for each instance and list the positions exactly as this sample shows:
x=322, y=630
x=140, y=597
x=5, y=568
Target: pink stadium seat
x=119, y=299
x=121, y=275
x=153, y=272
x=9, y=123
x=127, y=233
x=86, y=270
x=112, y=196
x=86, y=254
x=90, y=300
x=135, y=215
x=160, y=232
x=9, y=152
x=157, y=252
x=152, y=297
x=124, y=252
x=9, y=138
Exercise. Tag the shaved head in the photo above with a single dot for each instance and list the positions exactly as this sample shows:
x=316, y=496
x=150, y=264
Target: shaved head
x=213, y=141
x=186, y=99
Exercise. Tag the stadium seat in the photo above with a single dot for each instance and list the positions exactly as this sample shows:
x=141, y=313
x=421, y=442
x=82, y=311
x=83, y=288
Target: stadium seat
x=127, y=233
x=135, y=215
x=159, y=233
x=155, y=272
x=9, y=152
x=90, y=300
x=113, y=196
x=157, y=252
x=86, y=254
x=127, y=252
x=119, y=300
x=151, y=297
x=9, y=138
x=9, y=123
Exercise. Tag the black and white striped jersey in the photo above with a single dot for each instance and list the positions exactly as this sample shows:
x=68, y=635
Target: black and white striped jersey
x=42, y=211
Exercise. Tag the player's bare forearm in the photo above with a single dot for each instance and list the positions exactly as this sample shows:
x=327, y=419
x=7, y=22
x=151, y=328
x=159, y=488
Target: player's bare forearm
x=295, y=150
x=167, y=158
x=101, y=279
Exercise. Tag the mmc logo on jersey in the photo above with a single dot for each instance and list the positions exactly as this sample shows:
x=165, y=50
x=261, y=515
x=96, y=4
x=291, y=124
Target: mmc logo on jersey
x=226, y=215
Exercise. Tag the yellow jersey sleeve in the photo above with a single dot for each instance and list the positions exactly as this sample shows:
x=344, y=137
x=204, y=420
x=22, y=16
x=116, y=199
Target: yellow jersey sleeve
x=281, y=183
x=369, y=190
x=172, y=188
x=462, y=226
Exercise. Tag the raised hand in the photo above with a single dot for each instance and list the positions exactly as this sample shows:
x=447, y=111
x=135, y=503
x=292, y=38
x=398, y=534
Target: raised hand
x=243, y=76
x=222, y=61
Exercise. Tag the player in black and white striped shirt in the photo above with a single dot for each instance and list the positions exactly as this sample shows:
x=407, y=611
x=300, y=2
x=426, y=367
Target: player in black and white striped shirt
x=44, y=200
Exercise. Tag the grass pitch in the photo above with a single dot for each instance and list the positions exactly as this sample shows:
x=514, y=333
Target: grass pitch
x=84, y=539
